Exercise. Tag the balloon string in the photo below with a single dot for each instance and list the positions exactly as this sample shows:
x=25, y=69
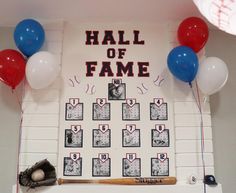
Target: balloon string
x=202, y=138
x=198, y=102
x=19, y=142
x=202, y=129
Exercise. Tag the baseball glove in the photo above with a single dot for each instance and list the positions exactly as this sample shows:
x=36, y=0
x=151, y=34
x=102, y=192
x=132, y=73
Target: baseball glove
x=49, y=179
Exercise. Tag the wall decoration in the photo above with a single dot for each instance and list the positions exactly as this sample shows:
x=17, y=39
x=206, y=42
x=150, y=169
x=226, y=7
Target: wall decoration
x=117, y=89
x=220, y=13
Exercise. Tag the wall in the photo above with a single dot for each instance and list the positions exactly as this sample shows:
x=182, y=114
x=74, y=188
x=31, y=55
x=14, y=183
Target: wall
x=40, y=119
x=187, y=127
x=223, y=109
x=41, y=110
x=9, y=123
x=42, y=115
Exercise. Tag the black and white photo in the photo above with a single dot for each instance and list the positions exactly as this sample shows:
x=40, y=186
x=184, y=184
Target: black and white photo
x=158, y=112
x=116, y=92
x=73, y=139
x=101, y=113
x=131, y=139
x=131, y=113
x=159, y=167
x=131, y=168
x=71, y=167
x=101, y=168
x=74, y=112
x=101, y=139
x=160, y=139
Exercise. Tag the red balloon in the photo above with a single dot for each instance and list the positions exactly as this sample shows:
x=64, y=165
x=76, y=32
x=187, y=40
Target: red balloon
x=193, y=32
x=12, y=67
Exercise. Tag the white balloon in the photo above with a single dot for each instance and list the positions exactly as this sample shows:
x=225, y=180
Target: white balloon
x=212, y=75
x=41, y=70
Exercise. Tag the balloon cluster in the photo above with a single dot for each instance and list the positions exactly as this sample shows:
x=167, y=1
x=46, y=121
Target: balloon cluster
x=39, y=67
x=183, y=63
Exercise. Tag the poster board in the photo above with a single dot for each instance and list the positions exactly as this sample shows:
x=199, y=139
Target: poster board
x=116, y=108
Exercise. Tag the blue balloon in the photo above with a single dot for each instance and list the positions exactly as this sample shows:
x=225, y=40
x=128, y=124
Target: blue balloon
x=29, y=36
x=183, y=63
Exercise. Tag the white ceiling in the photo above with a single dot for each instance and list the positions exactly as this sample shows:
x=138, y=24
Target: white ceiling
x=12, y=11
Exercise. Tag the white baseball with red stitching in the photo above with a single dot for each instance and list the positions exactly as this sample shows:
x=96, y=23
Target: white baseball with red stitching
x=221, y=13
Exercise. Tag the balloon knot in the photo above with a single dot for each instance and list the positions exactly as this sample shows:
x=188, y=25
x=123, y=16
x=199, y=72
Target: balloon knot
x=190, y=84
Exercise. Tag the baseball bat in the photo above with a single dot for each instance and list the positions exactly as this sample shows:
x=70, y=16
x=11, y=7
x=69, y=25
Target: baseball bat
x=122, y=181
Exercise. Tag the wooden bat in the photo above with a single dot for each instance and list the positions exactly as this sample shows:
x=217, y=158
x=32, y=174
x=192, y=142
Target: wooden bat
x=122, y=181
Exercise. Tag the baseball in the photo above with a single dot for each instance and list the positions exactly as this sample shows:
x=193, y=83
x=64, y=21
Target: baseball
x=90, y=89
x=220, y=13
x=38, y=175
x=192, y=179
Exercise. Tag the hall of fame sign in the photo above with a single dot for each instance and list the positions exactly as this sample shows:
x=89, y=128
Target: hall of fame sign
x=116, y=102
